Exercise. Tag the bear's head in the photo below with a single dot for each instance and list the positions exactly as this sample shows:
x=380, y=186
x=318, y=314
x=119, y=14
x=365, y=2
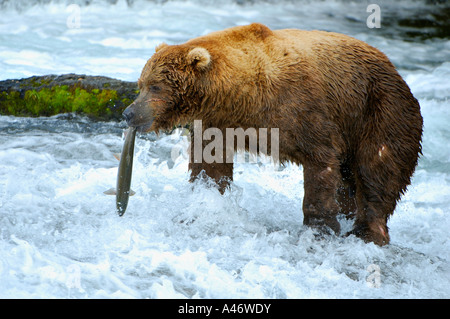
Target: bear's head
x=171, y=86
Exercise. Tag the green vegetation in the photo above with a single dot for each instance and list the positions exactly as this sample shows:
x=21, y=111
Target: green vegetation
x=98, y=97
x=60, y=99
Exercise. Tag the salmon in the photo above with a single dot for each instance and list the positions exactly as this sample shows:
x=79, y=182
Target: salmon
x=123, y=190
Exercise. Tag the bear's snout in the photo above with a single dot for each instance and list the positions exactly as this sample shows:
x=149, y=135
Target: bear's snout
x=128, y=115
x=138, y=115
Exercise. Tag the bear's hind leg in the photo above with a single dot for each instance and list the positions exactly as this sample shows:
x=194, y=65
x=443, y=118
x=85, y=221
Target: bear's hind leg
x=320, y=206
x=371, y=222
x=377, y=190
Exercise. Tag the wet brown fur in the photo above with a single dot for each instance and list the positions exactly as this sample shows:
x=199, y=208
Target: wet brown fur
x=342, y=110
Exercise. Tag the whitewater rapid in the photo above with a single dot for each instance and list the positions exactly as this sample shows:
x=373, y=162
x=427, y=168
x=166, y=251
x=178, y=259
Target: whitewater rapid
x=61, y=238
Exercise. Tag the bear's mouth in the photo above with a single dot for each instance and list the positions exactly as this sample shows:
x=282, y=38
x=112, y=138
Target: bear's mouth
x=144, y=128
x=139, y=115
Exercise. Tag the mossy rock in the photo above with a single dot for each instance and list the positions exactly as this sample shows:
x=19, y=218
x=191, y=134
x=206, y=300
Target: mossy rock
x=96, y=96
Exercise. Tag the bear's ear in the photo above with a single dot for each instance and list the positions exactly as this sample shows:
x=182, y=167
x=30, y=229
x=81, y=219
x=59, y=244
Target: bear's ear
x=161, y=46
x=199, y=58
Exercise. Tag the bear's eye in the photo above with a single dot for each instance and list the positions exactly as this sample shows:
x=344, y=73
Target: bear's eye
x=155, y=88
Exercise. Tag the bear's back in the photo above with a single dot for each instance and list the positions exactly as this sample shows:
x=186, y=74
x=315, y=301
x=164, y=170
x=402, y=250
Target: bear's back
x=257, y=49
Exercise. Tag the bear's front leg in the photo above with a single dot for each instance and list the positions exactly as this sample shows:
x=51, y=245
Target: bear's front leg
x=219, y=170
x=320, y=207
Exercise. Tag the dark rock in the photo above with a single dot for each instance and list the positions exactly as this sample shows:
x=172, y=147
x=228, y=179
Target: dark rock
x=97, y=96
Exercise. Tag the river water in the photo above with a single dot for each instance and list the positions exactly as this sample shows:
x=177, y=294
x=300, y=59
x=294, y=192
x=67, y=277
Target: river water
x=61, y=238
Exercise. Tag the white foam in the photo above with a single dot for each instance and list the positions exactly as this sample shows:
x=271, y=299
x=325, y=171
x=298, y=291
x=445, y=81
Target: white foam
x=61, y=238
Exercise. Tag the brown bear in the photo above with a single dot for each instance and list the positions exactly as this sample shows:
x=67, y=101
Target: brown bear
x=342, y=110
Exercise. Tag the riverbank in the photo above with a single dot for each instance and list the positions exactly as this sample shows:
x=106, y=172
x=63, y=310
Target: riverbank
x=98, y=97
